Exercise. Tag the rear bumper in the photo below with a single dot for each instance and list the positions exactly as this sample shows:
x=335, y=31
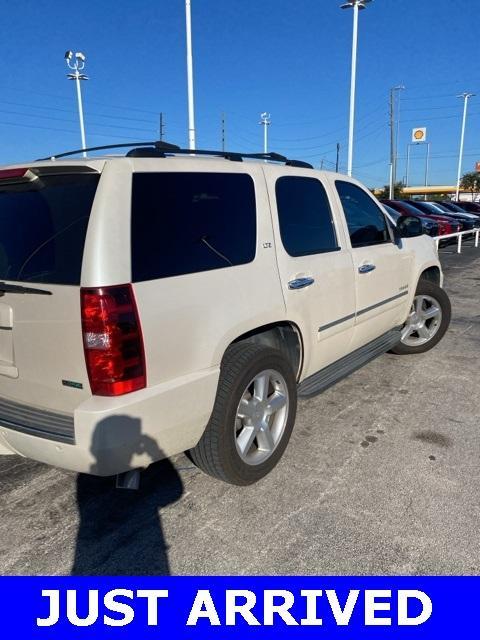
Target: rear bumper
x=113, y=435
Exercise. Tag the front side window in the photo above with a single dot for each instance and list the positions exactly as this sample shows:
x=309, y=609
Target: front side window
x=304, y=216
x=190, y=222
x=366, y=222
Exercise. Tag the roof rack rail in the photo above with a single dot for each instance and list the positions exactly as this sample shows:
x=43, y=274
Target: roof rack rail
x=121, y=145
x=159, y=149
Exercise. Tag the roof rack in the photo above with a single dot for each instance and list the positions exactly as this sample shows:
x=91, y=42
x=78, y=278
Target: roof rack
x=160, y=149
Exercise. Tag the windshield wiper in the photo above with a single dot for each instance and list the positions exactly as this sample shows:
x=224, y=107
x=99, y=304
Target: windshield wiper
x=18, y=288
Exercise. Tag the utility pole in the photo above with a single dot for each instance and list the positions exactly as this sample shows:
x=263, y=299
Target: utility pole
x=356, y=5
x=397, y=133
x=191, y=107
x=223, y=131
x=338, y=157
x=265, y=122
x=162, y=126
x=77, y=63
x=393, y=140
x=466, y=96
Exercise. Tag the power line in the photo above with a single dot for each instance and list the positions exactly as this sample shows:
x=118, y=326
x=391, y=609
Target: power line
x=41, y=128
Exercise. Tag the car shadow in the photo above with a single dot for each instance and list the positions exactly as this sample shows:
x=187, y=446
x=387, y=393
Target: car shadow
x=120, y=530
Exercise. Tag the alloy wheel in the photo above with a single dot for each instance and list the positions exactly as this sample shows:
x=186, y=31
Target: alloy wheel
x=423, y=321
x=261, y=417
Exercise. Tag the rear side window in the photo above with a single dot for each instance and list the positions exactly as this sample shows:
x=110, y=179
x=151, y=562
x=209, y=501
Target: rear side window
x=305, y=217
x=43, y=224
x=190, y=222
x=366, y=223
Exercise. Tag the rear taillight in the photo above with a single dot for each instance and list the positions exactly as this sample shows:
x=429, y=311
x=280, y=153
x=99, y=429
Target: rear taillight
x=112, y=340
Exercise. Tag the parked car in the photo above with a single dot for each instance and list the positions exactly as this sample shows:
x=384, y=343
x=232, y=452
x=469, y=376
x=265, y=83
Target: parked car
x=166, y=302
x=452, y=206
x=471, y=207
x=465, y=214
x=428, y=208
x=446, y=225
x=430, y=227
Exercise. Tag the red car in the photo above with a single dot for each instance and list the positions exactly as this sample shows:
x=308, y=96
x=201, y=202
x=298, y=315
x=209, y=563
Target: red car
x=446, y=225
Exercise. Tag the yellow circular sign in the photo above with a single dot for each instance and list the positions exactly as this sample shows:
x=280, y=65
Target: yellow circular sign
x=419, y=134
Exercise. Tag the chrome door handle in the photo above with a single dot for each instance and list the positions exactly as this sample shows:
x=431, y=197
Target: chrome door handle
x=300, y=283
x=366, y=268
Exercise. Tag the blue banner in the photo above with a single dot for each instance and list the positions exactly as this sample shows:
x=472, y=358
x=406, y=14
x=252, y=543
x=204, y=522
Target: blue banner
x=239, y=607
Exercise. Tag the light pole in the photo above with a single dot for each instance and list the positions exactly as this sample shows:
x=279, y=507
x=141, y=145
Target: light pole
x=265, y=121
x=356, y=5
x=427, y=165
x=191, y=108
x=466, y=96
x=76, y=62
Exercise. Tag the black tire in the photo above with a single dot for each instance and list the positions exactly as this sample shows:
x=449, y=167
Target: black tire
x=428, y=288
x=216, y=453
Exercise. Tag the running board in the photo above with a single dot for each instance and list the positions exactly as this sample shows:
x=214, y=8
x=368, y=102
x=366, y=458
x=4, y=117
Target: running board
x=328, y=376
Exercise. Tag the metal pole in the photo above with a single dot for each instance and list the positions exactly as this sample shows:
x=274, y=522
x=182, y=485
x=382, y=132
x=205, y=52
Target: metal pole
x=223, y=132
x=392, y=150
x=397, y=133
x=427, y=161
x=352, y=89
x=161, y=126
x=465, y=97
x=265, y=122
x=80, y=112
x=191, y=108
x=408, y=165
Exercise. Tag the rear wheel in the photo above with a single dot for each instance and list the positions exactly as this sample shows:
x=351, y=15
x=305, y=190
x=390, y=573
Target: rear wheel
x=427, y=321
x=252, y=418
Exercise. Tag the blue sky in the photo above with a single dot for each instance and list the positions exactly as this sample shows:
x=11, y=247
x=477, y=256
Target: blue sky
x=291, y=58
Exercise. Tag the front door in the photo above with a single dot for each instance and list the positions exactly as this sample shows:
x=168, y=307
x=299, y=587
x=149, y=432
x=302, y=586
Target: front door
x=382, y=267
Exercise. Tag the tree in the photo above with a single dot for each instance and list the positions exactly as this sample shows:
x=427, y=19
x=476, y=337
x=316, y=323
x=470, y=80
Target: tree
x=397, y=192
x=471, y=182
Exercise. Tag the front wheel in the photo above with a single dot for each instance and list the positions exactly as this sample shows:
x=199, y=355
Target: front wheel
x=427, y=321
x=252, y=418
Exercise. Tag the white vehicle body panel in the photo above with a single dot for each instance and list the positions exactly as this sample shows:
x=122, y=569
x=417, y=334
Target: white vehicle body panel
x=187, y=322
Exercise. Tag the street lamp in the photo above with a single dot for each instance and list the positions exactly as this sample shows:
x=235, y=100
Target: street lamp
x=466, y=96
x=191, y=108
x=76, y=62
x=265, y=122
x=356, y=5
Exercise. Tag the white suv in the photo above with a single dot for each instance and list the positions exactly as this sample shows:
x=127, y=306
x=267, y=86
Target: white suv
x=163, y=302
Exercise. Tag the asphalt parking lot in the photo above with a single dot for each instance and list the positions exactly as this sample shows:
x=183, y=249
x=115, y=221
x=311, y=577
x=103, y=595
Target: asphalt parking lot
x=382, y=476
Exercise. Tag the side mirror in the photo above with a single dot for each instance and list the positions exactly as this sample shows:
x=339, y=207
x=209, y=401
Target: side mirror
x=408, y=227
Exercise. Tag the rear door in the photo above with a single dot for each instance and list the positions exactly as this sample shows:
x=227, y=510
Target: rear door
x=382, y=267
x=43, y=225
x=315, y=265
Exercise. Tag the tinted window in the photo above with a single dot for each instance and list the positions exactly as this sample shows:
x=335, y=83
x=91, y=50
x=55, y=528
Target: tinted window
x=189, y=222
x=405, y=207
x=304, y=216
x=366, y=222
x=43, y=224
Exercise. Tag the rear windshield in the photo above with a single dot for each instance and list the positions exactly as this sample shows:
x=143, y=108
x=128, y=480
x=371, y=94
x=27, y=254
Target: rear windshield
x=43, y=226
x=191, y=222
